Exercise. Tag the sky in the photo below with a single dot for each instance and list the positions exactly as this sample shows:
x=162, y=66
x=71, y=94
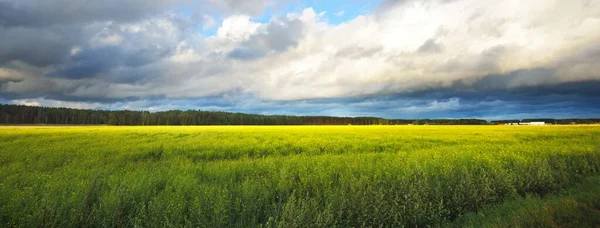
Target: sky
x=489, y=59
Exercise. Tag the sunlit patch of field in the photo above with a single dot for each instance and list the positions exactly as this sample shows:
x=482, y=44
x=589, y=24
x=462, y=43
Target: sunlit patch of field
x=220, y=176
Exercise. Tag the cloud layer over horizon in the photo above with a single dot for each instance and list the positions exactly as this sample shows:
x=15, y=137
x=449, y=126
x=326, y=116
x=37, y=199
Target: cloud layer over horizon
x=391, y=58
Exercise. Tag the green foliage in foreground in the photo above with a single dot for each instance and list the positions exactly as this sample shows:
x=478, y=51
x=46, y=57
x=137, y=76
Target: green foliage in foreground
x=281, y=176
x=577, y=207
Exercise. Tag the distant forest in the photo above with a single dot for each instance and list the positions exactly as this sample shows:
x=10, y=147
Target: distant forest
x=20, y=114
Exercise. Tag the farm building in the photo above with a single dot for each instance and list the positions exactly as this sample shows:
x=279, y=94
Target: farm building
x=534, y=123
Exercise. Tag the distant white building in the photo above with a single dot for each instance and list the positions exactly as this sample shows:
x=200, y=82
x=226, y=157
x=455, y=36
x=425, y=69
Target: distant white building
x=533, y=123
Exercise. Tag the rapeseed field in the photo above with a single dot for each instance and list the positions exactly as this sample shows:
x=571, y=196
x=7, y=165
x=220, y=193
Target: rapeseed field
x=284, y=176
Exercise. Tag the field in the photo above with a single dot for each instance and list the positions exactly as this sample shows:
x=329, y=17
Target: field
x=225, y=176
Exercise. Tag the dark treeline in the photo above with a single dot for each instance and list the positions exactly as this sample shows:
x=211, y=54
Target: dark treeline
x=20, y=114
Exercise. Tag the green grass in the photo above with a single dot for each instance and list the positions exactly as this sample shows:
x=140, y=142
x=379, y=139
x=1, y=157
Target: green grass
x=283, y=176
x=578, y=206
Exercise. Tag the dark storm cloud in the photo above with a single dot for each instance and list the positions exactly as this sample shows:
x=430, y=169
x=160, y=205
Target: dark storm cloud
x=510, y=81
x=549, y=101
x=528, y=84
x=526, y=93
x=37, y=46
x=43, y=33
x=491, y=97
x=95, y=58
x=93, y=61
x=474, y=105
x=46, y=13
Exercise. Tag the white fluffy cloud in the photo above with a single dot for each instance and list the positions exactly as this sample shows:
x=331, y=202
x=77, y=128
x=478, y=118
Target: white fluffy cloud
x=415, y=45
